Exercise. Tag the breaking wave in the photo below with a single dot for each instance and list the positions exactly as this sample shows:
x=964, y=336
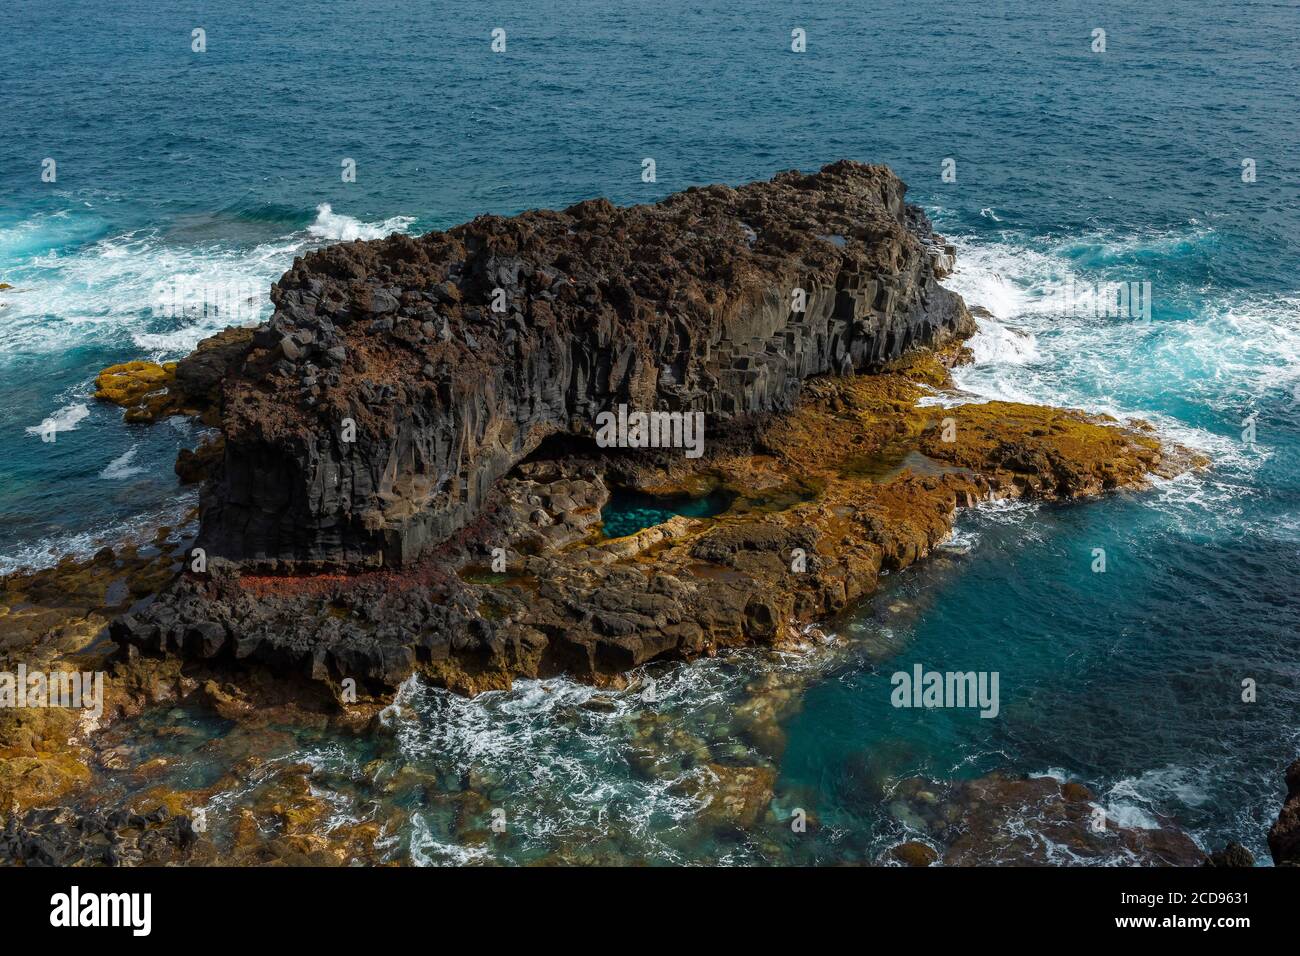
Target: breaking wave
x=143, y=289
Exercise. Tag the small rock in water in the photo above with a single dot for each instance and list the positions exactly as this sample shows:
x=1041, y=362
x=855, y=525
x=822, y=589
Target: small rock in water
x=914, y=853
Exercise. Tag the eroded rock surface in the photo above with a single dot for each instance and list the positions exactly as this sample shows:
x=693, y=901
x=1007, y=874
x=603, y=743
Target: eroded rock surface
x=373, y=559
x=459, y=533
x=856, y=481
x=453, y=355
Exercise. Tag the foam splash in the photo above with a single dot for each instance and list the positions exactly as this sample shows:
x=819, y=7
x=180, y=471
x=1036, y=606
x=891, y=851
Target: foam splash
x=65, y=419
x=336, y=227
x=1205, y=368
x=1135, y=801
x=121, y=467
x=138, y=530
x=140, y=290
x=45, y=232
x=1232, y=346
x=996, y=343
x=566, y=758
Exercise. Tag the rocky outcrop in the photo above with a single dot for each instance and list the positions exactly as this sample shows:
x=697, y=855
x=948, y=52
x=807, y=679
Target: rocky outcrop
x=140, y=387
x=399, y=379
x=459, y=533
x=65, y=837
x=1001, y=820
x=858, y=480
x=408, y=480
x=1284, y=837
x=149, y=391
x=1232, y=856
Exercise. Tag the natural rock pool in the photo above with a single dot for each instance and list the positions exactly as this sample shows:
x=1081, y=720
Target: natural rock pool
x=628, y=512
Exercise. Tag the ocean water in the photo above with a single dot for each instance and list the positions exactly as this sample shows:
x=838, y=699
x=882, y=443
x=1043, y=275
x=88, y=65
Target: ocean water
x=208, y=172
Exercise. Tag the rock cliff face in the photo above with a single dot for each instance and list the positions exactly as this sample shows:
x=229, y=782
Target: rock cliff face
x=858, y=480
x=399, y=379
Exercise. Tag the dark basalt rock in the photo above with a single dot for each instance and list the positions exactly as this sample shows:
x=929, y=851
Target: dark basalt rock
x=1234, y=855
x=66, y=837
x=199, y=375
x=366, y=561
x=457, y=353
x=1284, y=837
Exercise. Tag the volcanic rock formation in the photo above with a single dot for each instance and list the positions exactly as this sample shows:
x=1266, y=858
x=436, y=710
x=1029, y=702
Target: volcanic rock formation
x=409, y=481
x=399, y=379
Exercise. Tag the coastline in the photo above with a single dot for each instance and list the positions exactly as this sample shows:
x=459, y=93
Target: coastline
x=854, y=461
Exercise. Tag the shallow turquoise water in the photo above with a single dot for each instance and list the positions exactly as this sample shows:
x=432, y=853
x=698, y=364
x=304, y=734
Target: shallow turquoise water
x=628, y=512
x=1072, y=167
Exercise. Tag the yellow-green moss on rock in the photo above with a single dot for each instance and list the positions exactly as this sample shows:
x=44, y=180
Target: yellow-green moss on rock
x=142, y=388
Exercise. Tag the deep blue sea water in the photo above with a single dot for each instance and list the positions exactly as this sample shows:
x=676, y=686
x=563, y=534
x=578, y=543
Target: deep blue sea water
x=215, y=169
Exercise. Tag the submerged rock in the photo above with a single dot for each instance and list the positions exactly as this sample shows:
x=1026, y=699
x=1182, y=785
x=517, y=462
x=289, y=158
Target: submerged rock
x=915, y=853
x=1032, y=821
x=729, y=796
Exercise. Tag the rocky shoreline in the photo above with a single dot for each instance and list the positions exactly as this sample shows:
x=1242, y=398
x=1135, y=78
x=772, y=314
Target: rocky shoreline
x=389, y=432
x=404, y=481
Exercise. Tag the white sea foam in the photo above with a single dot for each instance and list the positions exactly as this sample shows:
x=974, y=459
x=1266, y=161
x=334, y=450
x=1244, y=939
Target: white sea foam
x=123, y=290
x=337, y=227
x=1134, y=801
x=564, y=752
x=951, y=400
x=1235, y=348
x=138, y=530
x=1127, y=816
x=44, y=231
x=1006, y=510
x=996, y=343
x=65, y=419
x=1230, y=354
x=121, y=467
x=1055, y=773
x=427, y=850
x=960, y=541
